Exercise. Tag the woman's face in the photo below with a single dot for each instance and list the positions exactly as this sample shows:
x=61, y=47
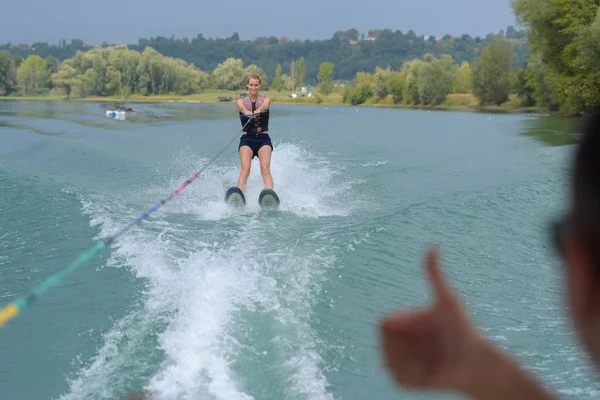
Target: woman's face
x=253, y=86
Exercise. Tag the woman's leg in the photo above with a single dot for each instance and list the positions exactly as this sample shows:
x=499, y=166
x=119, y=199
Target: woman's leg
x=245, y=162
x=264, y=157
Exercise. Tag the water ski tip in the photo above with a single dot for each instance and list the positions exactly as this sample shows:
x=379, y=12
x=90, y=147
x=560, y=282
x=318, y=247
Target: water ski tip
x=268, y=199
x=235, y=197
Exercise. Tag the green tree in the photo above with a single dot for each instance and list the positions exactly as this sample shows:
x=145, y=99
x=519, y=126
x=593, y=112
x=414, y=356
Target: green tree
x=278, y=83
x=288, y=82
x=300, y=72
x=411, y=88
x=230, y=74
x=121, y=74
x=435, y=80
x=8, y=74
x=562, y=35
x=325, y=78
x=18, y=60
x=365, y=78
x=523, y=88
x=93, y=66
x=52, y=63
x=462, y=80
x=150, y=72
x=33, y=76
x=66, y=79
x=361, y=89
x=491, y=76
x=358, y=94
x=397, y=85
x=537, y=78
x=381, y=88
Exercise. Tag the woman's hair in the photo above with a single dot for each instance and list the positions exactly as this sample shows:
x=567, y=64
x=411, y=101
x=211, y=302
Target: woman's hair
x=253, y=76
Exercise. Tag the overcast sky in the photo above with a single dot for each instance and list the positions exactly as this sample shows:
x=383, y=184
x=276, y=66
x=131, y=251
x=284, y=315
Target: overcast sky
x=125, y=21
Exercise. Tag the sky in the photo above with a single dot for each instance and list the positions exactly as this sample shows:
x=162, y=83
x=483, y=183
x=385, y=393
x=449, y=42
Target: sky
x=126, y=21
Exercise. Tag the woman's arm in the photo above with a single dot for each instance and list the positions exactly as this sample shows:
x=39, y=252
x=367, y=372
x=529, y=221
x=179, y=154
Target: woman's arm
x=241, y=107
x=265, y=106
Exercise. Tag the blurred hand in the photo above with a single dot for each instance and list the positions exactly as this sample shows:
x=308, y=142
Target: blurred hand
x=436, y=347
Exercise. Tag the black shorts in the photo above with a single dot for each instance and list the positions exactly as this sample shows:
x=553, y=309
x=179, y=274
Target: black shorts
x=255, y=142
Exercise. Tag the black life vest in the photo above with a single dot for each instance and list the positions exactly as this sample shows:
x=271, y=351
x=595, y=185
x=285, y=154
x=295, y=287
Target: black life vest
x=261, y=122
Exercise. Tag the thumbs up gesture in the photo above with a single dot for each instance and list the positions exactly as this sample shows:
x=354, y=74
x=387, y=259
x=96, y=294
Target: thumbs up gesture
x=438, y=348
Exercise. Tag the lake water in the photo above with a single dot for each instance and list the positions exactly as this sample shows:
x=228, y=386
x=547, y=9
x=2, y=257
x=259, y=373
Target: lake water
x=203, y=302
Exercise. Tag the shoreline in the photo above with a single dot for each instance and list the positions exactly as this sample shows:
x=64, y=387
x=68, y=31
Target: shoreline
x=279, y=98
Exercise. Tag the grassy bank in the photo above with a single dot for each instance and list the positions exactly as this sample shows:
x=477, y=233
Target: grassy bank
x=454, y=102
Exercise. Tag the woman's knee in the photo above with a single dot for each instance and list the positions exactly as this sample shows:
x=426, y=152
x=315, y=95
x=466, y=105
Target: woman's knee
x=245, y=167
x=265, y=170
x=245, y=170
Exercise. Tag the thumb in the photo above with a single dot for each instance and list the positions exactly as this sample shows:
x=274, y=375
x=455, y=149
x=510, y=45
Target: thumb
x=439, y=283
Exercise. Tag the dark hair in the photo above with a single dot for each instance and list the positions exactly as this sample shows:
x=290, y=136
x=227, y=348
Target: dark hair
x=585, y=185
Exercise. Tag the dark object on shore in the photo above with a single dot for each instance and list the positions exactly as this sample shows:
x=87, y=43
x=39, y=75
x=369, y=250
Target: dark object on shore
x=123, y=108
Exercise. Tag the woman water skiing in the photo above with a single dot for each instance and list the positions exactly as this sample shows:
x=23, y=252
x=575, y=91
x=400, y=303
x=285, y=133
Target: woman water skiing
x=255, y=140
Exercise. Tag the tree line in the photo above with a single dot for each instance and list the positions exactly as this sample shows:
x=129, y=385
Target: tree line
x=563, y=66
x=349, y=50
x=122, y=71
x=560, y=70
x=429, y=80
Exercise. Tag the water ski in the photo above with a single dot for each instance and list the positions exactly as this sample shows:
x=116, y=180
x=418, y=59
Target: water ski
x=268, y=199
x=235, y=197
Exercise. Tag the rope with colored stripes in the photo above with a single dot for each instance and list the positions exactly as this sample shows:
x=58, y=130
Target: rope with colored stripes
x=18, y=305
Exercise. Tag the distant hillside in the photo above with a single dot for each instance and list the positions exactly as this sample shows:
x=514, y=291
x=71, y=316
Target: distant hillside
x=349, y=51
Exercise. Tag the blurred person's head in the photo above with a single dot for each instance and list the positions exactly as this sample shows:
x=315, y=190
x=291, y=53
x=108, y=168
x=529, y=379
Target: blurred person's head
x=577, y=237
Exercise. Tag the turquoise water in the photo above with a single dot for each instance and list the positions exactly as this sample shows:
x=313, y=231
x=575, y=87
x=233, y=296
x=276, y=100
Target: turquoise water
x=203, y=302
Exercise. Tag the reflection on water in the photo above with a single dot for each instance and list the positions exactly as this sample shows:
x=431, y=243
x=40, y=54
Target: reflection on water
x=85, y=112
x=23, y=114
x=550, y=130
x=553, y=131
x=27, y=128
